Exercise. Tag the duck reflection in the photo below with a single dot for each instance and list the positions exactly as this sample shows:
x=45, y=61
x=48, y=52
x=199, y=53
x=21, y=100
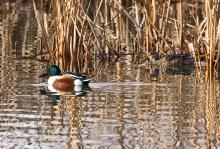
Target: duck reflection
x=55, y=93
x=155, y=71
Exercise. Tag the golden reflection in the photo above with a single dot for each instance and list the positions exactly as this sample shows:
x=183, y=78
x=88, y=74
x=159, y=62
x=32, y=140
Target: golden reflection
x=212, y=112
x=70, y=108
x=76, y=112
x=177, y=108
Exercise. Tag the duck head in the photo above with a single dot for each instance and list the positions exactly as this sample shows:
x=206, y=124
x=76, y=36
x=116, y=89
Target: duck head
x=153, y=56
x=52, y=70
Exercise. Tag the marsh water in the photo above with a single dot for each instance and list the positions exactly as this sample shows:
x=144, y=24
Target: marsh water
x=126, y=105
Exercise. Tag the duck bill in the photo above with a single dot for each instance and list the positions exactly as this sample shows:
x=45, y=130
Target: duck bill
x=43, y=75
x=146, y=58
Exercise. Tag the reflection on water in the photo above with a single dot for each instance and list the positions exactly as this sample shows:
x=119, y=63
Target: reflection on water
x=126, y=106
x=123, y=108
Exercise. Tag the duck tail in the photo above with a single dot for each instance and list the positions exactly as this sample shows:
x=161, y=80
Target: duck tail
x=86, y=81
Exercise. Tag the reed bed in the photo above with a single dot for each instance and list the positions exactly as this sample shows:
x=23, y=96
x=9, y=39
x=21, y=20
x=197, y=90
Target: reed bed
x=85, y=31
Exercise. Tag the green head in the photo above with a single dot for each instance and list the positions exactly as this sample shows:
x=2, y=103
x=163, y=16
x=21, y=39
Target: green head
x=52, y=70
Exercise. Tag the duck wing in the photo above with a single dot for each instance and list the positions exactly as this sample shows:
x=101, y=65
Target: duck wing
x=74, y=75
x=170, y=57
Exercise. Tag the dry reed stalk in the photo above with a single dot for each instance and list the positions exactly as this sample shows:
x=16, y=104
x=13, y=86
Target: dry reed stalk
x=200, y=37
x=154, y=27
x=166, y=21
x=126, y=12
x=105, y=31
x=115, y=19
x=148, y=44
x=192, y=49
x=103, y=37
x=154, y=12
x=92, y=26
x=78, y=34
x=218, y=41
x=210, y=34
x=197, y=52
x=180, y=20
x=83, y=25
x=95, y=18
x=44, y=31
x=95, y=44
x=218, y=44
x=138, y=29
x=162, y=16
x=209, y=30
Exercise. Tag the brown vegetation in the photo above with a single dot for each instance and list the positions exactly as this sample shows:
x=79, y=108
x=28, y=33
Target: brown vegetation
x=84, y=30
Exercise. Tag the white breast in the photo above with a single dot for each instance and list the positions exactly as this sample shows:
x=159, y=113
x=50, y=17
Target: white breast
x=78, y=82
x=51, y=80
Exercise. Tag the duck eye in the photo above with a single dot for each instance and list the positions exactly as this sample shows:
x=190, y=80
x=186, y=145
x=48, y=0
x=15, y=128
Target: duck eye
x=49, y=68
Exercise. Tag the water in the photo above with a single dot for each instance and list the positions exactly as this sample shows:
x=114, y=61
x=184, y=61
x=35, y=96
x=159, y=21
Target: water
x=126, y=106
x=123, y=108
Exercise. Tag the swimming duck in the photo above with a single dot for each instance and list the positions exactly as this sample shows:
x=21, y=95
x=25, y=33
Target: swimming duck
x=65, y=79
x=170, y=59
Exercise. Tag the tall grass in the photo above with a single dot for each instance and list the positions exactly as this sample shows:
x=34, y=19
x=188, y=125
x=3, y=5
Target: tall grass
x=90, y=30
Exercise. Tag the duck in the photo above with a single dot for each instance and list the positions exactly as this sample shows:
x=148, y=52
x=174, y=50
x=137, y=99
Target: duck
x=170, y=59
x=64, y=80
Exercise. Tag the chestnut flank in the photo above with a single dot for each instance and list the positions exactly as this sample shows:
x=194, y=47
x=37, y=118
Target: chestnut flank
x=64, y=82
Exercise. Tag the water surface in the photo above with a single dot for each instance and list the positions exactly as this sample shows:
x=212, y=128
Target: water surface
x=126, y=106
